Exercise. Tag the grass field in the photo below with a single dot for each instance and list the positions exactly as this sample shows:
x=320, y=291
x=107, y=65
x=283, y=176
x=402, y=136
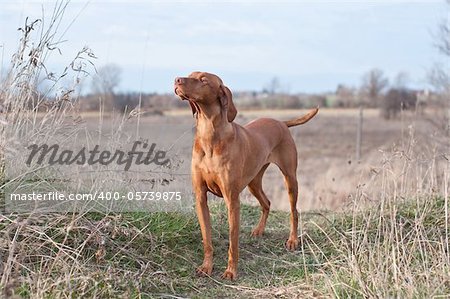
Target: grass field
x=391, y=250
x=328, y=172
x=373, y=228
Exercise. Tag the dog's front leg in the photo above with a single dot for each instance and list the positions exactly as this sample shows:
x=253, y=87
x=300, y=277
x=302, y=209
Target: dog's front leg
x=233, y=205
x=203, y=216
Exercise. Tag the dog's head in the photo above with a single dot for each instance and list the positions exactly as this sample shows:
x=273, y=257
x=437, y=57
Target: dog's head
x=205, y=89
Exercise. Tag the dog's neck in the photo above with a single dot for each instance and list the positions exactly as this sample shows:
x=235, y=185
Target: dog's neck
x=212, y=126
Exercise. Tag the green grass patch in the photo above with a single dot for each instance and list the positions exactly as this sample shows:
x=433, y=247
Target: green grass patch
x=390, y=250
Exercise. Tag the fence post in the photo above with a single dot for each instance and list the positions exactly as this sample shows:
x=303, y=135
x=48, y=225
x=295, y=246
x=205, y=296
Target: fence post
x=359, y=134
x=2, y=184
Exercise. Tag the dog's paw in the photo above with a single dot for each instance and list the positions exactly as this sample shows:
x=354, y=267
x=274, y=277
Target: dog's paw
x=204, y=270
x=292, y=244
x=229, y=274
x=257, y=232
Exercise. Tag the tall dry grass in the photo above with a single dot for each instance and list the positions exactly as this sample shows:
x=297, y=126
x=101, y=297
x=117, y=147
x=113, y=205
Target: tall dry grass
x=39, y=250
x=392, y=240
x=29, y=113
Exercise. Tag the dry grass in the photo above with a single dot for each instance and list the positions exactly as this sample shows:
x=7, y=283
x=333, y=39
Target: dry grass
x=396, y=249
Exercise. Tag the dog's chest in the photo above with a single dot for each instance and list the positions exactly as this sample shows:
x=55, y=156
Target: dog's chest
x=214, y=170
x=212, y=166
x=213, y=175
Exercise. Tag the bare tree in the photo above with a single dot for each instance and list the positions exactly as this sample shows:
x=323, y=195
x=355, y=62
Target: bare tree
x=443, y=38
x=273, y=87
x=374, y=82
x=106, y=80
x=402, y=80
x=439, y=76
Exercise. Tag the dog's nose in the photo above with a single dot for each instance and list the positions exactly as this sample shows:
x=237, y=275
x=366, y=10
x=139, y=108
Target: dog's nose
x=179, y=80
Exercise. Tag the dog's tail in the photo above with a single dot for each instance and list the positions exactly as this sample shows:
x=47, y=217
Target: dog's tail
x=303, y=119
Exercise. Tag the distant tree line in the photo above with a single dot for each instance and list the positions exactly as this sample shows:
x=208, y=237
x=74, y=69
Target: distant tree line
x=375, y=91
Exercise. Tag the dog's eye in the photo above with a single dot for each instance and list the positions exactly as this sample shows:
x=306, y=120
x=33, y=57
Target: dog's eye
x=204, y=80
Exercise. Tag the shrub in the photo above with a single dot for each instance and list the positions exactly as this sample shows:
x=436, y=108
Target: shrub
x=395, y=100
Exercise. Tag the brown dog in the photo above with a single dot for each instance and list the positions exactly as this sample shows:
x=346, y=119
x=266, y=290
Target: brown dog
x=227, y=157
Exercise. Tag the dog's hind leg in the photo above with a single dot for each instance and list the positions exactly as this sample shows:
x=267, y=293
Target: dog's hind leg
x=287, y=162
x=292, y=187
x=255, y=187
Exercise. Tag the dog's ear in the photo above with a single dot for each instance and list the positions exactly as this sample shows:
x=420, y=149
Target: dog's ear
x=226, y=100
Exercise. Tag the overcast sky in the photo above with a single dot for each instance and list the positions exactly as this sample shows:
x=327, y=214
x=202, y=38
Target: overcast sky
x=311, y=46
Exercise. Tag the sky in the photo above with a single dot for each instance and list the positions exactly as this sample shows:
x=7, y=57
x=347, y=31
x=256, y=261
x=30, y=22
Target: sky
x=310, y=46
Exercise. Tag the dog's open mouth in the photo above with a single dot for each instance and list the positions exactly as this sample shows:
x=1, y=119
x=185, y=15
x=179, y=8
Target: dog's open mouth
x=180, y=94
x=194, y=106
